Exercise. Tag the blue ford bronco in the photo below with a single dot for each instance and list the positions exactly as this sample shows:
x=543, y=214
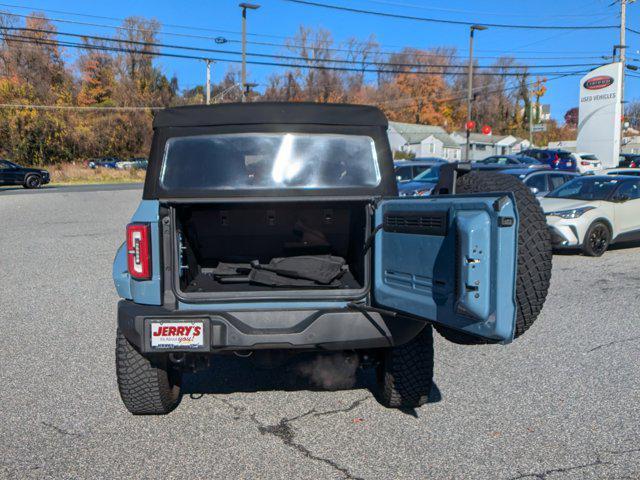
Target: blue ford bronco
x=277, y=227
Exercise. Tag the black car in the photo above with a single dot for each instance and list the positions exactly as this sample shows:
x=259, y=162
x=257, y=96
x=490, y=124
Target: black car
x=13, y=174
x=629, y=160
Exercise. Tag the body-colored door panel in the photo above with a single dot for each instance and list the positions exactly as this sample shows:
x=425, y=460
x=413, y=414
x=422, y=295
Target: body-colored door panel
x=450, y=260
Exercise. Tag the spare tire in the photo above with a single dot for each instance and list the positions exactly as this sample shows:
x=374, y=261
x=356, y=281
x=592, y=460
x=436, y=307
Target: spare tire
x=534, y=251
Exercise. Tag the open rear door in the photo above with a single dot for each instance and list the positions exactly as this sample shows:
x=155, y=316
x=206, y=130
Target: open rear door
x=450, y=260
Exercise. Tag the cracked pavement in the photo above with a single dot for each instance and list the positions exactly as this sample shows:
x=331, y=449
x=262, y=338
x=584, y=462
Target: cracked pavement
x=561, y=402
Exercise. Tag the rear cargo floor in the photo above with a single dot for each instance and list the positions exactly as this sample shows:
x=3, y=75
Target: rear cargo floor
x=204, y=282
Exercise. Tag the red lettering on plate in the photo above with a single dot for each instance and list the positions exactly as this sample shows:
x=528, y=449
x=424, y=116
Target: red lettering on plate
x=196, y=331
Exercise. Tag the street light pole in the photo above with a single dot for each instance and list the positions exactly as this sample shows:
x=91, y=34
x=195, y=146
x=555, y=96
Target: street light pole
x=208, y=87
x=245, y=6
x=472, y=30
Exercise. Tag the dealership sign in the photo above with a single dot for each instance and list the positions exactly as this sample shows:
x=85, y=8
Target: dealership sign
x=597, y=83
x=600, y=112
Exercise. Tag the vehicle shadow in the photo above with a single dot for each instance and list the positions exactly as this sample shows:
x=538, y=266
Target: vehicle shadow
x=577, y=251
x=232, y=374
x=623, y=245
x=21, y=188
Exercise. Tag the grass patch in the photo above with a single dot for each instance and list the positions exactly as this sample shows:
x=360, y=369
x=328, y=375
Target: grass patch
x=69, y=174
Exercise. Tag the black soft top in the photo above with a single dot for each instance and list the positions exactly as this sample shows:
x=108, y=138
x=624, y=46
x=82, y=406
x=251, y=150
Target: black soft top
x=302, y=113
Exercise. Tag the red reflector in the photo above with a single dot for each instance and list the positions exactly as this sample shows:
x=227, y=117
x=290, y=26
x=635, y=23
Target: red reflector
x=139, y=250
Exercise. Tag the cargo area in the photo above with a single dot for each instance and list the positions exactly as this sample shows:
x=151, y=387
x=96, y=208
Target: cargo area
x=237, y=247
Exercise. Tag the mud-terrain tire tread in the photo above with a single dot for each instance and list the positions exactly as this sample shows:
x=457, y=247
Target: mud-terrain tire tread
x=534, y=251
x=406, y=372
x=145, y=388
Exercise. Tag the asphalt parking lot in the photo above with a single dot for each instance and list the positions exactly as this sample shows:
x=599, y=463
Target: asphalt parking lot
x=561, y=402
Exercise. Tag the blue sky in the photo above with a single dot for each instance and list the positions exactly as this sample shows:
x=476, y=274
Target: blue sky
x=277, y=19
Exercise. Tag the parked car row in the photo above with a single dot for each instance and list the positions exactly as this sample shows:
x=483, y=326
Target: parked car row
x=584, y=211
x=117, y=163
x=497, y=162
x=629, y=160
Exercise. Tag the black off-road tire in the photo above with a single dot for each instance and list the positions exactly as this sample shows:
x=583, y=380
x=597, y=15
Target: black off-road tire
x=405, y=375
x=534, y=251
x=32, y=181
x=146, y=388
x=596, y=240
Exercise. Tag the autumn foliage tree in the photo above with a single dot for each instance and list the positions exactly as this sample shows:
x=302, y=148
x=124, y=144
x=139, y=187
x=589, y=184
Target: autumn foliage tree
x=55, y=110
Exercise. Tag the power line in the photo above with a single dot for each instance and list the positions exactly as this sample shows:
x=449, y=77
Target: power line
x=475, y=12
x=74, y=107
x=483, y=90
x=449, y=21
x=152, y=108
x=116, y=19
x=271, y=44
x=291, y=57
x=35, y=40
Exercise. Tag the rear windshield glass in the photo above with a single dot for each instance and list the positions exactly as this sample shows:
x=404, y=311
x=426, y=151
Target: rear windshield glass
x=269, y=160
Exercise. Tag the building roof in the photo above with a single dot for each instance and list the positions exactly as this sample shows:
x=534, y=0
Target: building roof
x=479, y=138
x=414, y=132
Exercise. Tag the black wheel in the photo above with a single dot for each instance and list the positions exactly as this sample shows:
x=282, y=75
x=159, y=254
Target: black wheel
x=33, y=181
x=405, y=374
x=534, y=251
x=146, y=388
x=596, y=240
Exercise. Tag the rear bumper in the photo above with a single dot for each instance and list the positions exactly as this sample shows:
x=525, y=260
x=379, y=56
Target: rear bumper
x=339, y=329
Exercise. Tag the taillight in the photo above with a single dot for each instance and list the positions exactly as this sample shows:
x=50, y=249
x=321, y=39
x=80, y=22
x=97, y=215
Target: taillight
x=633, y=165
x=556, y=159
x=584, y=163
x=139, y=250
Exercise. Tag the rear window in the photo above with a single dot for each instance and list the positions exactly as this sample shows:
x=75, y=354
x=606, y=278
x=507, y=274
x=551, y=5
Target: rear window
x=404, y=174
x=269, y=161
x=537, y=181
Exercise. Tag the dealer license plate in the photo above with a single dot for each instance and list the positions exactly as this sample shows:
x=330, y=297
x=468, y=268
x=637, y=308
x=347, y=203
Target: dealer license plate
x=177, y=334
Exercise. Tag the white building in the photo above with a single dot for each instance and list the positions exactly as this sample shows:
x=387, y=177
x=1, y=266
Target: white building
x=631, y=144
x=568, y=145
x=423, y=141
x=544, y=112
x=440, y=145
x=482, y=146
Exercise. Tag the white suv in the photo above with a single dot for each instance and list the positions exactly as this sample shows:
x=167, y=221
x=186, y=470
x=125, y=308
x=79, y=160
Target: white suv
x=594, y=211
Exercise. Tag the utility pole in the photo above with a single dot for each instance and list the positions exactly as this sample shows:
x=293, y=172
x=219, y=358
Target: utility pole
x=530, y=124
x=623, y=55
x=623, y=48
x=208, y=87
x=472, y=29
x=244, y=7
